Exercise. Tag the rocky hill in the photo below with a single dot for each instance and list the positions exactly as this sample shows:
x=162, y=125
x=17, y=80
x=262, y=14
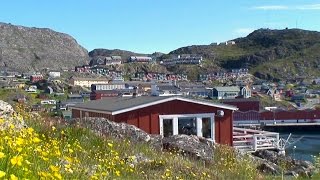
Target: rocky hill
x=114, y=52
x=24, y=49
x=269, y=54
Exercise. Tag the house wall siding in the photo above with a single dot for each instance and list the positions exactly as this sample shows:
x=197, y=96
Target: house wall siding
x=147, y=118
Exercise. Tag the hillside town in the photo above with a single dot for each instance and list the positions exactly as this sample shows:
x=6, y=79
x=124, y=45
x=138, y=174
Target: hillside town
x=56, y=91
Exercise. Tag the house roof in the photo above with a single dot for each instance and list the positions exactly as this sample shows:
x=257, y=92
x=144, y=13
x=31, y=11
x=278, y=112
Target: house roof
x=120, y=105
x=227, y=88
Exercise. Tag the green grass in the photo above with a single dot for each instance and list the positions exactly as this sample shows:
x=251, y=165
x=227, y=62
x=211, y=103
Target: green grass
x=54, y=150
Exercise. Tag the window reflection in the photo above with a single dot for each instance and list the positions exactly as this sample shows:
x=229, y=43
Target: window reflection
x=187, y=125
x=206, y=127
x=167, y=127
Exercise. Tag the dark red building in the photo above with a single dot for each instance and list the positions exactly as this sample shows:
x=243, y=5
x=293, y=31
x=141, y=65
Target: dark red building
x=36, y=78
x=244, y=104
x=95, y=95
x=165, y=115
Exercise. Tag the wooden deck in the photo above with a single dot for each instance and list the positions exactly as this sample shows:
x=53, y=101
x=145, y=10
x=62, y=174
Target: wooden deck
x=249, y=140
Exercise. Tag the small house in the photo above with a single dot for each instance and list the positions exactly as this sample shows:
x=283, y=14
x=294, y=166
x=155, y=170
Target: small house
x=165, y=115
x=225, y=92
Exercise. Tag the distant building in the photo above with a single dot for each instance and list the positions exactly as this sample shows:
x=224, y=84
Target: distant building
x=99, y=87
x=226, y=92
x=54, y=75
x=101, y=94
x=35, y=78
x=182, y=59
x=140, y=59
x=87, y=82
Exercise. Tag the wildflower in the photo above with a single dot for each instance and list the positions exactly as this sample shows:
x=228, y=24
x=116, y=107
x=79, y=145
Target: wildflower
x=17, y=160
x=54, y=168
x=13, y=177
x=19, y=141
x=53, y=128
x=30, y=130
x=57, y=175
x=110, y=145
x=2, y=174
x=2, y=155
x=36, y=140
x=118, y=173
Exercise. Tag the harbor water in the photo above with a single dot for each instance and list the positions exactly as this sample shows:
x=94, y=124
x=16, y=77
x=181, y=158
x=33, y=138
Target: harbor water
x=303, y=145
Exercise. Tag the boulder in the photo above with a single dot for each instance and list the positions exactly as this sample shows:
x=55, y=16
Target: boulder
x=6, y=114
x=5, y=108
x=104, y=127
x=293, y=167
x=193, y=146
x=269, y=168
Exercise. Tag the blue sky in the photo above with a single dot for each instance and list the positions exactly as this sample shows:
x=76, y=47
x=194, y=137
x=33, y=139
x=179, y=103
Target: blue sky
x=147, y=26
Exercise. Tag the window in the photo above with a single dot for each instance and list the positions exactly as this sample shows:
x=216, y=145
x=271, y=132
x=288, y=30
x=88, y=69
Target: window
x=191, y=124
x=187, y=125
x=206, y=127
x=167, y=127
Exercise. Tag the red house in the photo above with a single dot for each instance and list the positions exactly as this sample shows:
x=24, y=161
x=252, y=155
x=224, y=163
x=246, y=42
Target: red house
x=165, y=115
x=36, y=78
x=244, y=104
x=95, y=95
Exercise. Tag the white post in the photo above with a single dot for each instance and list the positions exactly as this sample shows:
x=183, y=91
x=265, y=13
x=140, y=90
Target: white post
x=199, y=127
x=254, y=142
x=175, y=126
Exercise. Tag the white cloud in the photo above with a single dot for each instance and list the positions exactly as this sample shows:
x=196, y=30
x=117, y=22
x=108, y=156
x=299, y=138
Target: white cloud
x=271, y=7
x=309, y=7
x=283, y=7
x=244, y=31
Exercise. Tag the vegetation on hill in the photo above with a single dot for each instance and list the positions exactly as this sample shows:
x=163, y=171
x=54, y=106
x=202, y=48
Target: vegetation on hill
x=269, y=54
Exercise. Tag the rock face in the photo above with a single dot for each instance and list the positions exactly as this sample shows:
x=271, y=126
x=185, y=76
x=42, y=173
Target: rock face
x=114, y=52
x=23, y=49
x=7, y=119
x=5, y=108
x=272, y=162
x=191, y=146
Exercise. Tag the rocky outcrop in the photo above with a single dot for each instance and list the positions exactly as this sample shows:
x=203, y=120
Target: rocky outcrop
x=8, y=117
x=114, y=52
x=5, y=108
x=191, y=146
x=24, y=48
x=274, y=163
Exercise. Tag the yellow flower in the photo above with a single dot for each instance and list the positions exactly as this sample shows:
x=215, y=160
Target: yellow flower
x=30, y=130
x=53, y=128
x=19, y=141
x=2, y=155
x=118, y=173
x=13, y=177
x=2, y=174
x=110, y=145
x=17, y=160
x=57, y=175
x=36, y=140
x=54, y=168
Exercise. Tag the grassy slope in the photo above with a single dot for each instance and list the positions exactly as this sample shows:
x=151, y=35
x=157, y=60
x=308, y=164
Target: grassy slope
x=53, y=150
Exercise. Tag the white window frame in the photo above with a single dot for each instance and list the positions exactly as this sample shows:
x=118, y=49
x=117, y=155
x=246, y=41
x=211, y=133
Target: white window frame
x=199, y=117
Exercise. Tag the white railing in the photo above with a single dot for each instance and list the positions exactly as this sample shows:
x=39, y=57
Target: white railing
x=250, y=140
